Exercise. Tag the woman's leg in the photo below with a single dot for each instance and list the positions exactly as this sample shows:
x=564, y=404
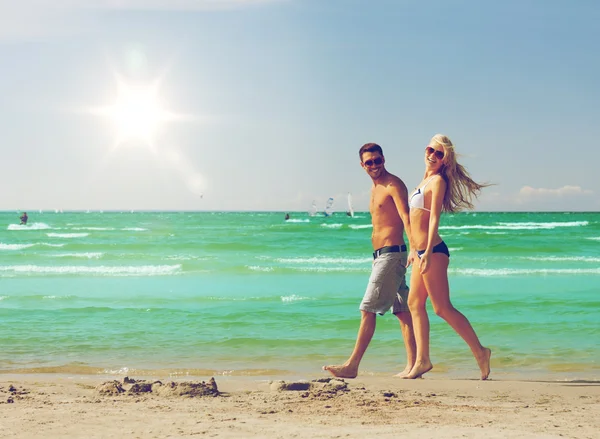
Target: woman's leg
x=436, y=284
x=417, y=299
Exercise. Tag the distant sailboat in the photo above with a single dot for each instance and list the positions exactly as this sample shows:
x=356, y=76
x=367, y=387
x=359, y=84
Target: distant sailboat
x=313, y=209
x=329, y=207
x=350, y=211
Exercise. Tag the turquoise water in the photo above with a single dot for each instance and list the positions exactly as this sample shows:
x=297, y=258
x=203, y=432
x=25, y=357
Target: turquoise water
x=250, y=294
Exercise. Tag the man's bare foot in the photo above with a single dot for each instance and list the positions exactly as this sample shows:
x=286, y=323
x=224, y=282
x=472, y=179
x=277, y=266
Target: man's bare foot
x=404, y=373
x=484, y=363
x=418, y=370
x=342, y=371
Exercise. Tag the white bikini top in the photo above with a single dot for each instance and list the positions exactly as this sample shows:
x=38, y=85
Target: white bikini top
x=417, y=199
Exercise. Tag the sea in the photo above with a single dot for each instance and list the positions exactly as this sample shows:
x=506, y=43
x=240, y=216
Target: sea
x=178, y=294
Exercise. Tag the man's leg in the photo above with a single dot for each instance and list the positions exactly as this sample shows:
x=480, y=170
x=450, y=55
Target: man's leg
x=365, y=333
x=408, y=336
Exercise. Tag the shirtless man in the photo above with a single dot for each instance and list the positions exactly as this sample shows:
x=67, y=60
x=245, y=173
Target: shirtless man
x=387, y=285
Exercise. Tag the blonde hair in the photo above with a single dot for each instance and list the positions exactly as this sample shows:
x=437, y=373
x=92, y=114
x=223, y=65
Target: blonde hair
x=460, y=187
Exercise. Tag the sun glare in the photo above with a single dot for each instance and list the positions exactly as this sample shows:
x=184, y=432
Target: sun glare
x=137, y=114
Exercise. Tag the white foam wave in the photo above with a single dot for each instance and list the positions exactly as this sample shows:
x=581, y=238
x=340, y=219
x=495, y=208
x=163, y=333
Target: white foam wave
x=562, y=258
x=259, y=268
x=67, y=235
x=135, y=229
x=361, y=226
x=293, y=298
x=594, y=238
x=455, y=249
x=32, y=226
x=15, y=246
x=522, y=271
x=518, y=226
x=297, y=220
x=141, y=270
x=332, y=226
x=24, y=246
x=92, y=228
x=317, y=260
x=89, y=255
x=121, y=371
x=332, y=269
x=3, y=297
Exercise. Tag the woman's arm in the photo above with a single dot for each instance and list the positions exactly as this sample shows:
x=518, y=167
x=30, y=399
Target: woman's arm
x=438, y=189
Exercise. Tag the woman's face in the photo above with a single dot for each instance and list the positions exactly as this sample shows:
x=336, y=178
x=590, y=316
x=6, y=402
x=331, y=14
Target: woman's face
x=434, y=156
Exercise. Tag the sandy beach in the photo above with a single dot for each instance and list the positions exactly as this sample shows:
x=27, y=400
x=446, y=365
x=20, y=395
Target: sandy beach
x=45, y=406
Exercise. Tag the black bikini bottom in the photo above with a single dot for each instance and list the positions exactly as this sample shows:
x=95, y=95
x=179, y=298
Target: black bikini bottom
x=440, y=248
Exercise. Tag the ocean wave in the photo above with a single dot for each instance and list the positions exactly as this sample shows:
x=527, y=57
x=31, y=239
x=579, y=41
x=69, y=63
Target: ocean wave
x=318, y=260
x=332, y=226
x=28, y=245
x=93, y=228
x=485, y=272
x=361, y=226
x=259, y=268
x=32, y=226
x=561, y=258
x=517, y=226
x=14, y=246
x=292, y=220
x=135, y=229
x=594, y=238
x=67, y=235
x=89, y=255
x=140, y=270
x=331, y=269
x=293, y=298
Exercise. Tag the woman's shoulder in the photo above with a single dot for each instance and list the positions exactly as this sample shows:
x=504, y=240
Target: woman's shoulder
x=437, y=180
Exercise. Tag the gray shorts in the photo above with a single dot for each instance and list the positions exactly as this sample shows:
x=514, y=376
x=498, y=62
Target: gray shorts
x=387, y=285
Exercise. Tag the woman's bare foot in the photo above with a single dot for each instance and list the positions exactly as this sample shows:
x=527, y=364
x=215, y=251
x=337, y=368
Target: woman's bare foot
x=418, y=370
x=342, y=371
x=484, y=363
x=405, y=372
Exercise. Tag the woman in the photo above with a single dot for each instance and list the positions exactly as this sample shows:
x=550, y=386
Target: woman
x=447, y=187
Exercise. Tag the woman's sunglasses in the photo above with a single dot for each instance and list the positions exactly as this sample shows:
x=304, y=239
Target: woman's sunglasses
x=439, y=154
x=376, y=161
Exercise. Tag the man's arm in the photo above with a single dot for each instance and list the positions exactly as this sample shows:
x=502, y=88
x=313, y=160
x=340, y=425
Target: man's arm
x=399, y=194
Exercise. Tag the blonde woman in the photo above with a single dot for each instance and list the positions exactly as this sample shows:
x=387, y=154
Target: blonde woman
x=446, y=187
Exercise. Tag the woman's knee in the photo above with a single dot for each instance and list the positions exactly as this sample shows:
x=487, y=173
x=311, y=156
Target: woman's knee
x=416, y=304
x=443, y=310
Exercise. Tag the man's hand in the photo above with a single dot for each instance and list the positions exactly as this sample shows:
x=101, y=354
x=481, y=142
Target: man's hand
x=411, y=258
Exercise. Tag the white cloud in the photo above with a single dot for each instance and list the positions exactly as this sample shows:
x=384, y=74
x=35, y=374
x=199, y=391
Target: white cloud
x=39, y=19
x=166, y=4
x=565, y=191
x=566, y=198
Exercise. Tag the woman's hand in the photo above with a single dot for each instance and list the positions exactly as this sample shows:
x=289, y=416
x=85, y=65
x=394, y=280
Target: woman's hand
x=424, y=265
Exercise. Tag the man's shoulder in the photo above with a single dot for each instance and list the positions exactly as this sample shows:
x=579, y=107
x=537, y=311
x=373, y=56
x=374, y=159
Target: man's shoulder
x=394, y=180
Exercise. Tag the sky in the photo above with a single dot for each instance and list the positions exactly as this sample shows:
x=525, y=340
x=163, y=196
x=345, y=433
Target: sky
x=263, y=104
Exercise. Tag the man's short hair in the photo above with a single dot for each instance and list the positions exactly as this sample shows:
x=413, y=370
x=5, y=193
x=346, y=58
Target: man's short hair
x=369, y=147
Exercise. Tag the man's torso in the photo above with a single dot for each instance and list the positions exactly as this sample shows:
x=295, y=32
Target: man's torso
x=388, y=228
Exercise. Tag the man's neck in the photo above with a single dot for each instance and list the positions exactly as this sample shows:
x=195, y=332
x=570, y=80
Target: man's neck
x=383, y=176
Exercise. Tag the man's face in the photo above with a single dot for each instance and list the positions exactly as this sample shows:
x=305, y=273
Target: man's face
x=373, y=163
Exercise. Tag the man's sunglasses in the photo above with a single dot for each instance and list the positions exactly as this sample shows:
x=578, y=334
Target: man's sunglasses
x=376, y=161
x=439, y=154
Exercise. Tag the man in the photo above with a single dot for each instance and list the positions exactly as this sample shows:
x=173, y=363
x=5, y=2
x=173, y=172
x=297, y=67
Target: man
x=24, y=218
x=387, y=285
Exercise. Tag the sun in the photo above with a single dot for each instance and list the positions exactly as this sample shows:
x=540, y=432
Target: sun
x=137, y=113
